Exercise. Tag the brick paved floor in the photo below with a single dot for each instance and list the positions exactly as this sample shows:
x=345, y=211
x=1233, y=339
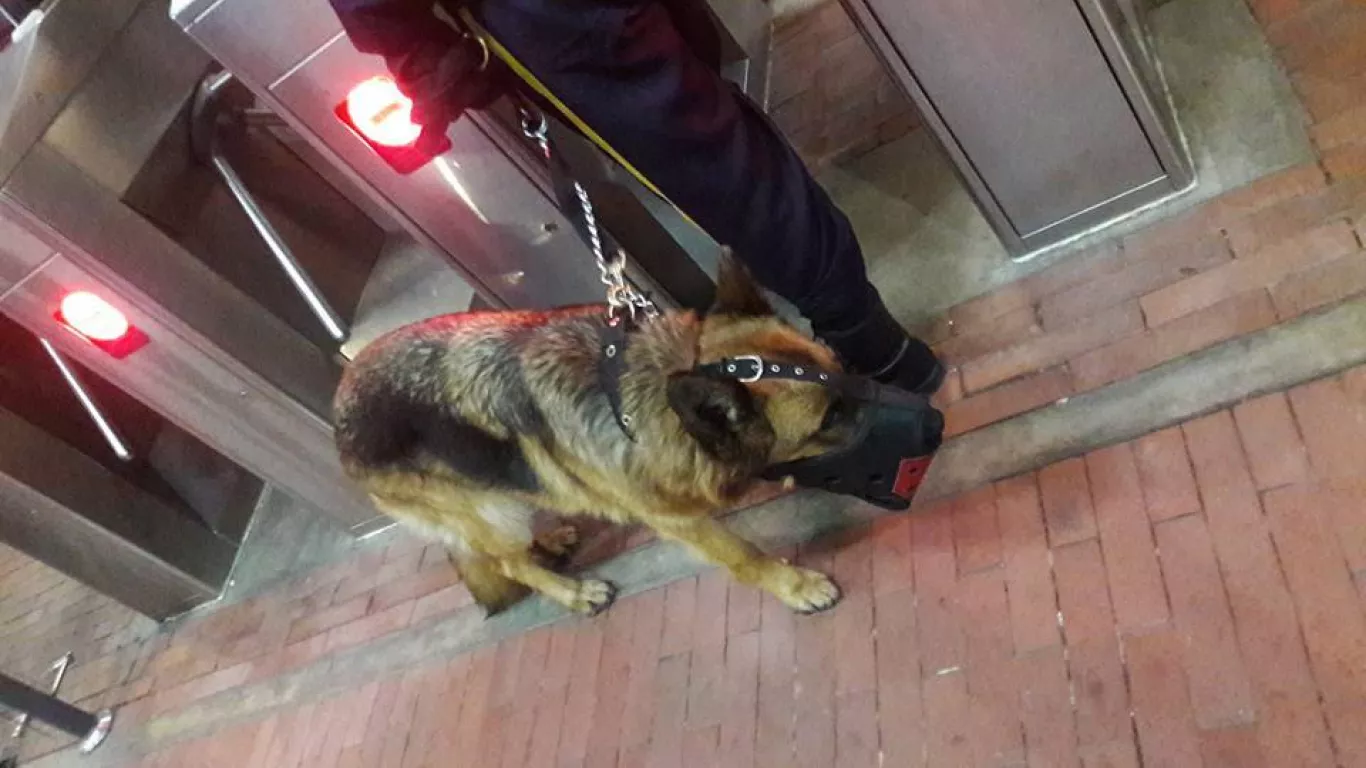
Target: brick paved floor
x=1195, y=597
x=828, y=92
x=1284, y=246
x=43, y=614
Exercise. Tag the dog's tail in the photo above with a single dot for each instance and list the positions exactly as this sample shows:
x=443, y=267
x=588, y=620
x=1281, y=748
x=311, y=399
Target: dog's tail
x=493, y=591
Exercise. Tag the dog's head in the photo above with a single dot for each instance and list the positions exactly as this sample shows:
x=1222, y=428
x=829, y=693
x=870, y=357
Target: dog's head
x=750, y=426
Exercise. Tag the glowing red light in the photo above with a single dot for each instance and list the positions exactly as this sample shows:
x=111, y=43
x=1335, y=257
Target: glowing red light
x=379, y=110
x=93, y=317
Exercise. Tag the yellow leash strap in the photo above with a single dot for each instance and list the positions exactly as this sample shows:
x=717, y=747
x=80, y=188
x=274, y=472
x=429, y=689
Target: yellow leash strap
x=536, y=85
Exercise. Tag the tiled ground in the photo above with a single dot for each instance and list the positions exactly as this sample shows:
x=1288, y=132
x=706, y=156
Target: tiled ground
x=828, y=92
x=43, y=614
x=1288, y=244
x=1195, y=597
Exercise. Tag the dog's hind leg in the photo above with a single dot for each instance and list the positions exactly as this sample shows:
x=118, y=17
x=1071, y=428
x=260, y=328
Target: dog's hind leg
x=554, y=548
x=496, y=581
x=508, y=540
x=490, y=541
x=559, y=542
x=483, y=576
x=447, y=515
x=489, y=538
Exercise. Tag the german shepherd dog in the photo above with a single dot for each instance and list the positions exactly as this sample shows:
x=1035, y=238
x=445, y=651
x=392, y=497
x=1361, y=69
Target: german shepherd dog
x=462, y=426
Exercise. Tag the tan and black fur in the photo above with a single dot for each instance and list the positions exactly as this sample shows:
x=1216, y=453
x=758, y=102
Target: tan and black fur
x=462, y=426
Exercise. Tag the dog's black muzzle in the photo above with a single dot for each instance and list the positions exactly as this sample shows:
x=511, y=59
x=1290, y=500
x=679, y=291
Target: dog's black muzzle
x=894, y=436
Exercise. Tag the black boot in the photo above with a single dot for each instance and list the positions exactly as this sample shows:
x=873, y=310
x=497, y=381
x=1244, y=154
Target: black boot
x=880, y=348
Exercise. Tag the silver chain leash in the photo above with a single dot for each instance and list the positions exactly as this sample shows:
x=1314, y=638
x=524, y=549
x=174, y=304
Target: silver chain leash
x=621, y=295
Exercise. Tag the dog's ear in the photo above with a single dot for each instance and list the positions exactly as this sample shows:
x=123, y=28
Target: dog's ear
x=724, y=419
x=736, y=291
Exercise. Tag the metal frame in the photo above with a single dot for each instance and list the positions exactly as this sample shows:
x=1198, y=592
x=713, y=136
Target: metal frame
x=475, y=206
x=85, y=98
x=64, y=509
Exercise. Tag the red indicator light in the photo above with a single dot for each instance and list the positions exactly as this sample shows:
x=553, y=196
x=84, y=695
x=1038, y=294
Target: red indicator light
x=100, y=323
x=93, y=317
x=382, y=117
x=379, y=110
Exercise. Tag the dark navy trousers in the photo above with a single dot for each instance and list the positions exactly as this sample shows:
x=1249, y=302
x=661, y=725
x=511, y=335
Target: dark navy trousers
x=643, y=74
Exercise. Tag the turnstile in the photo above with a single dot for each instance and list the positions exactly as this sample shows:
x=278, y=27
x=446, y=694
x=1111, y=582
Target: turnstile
x=106, y=187
x=134, y=170
x=102, y=192
x=1052, y=111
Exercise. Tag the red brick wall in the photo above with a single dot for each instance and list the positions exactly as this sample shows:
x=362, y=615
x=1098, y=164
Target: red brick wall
x=829, y=93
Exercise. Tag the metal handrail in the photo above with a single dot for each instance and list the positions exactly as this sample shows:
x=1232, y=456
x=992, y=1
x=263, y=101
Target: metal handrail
x=87, y=400
x=204, y=139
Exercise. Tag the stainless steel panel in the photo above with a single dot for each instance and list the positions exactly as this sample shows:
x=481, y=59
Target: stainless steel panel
x=481, y=206
x=20, y=252
x=259, y=40
x=115, y=118
x=473, y=203
x=501, y=123
x=42, y=71
x=67, y=511
x=209, y=394
x=408, y=284
x=748, y=25
x=668, y=251
x=1031, y=100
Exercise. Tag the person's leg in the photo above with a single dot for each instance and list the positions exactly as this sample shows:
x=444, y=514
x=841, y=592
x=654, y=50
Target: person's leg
x=625, y=69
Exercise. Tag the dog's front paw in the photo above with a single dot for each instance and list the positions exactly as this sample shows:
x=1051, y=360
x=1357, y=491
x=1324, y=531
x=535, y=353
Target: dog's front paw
x=805, y=590
x=593, y=597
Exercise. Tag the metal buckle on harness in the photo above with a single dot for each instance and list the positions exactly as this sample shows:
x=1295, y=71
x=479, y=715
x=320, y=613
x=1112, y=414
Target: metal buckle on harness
x=755, y=360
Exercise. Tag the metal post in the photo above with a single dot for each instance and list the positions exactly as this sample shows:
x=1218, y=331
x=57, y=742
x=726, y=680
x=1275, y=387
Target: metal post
x=204, y=140
x=73, y=381
x=331, y=321
x=58, y=668
x=90, y=728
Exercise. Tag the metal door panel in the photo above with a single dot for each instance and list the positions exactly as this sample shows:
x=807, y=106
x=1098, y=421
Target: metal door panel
x=1122, y=32
x=209, y=395
x=1029, y=98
